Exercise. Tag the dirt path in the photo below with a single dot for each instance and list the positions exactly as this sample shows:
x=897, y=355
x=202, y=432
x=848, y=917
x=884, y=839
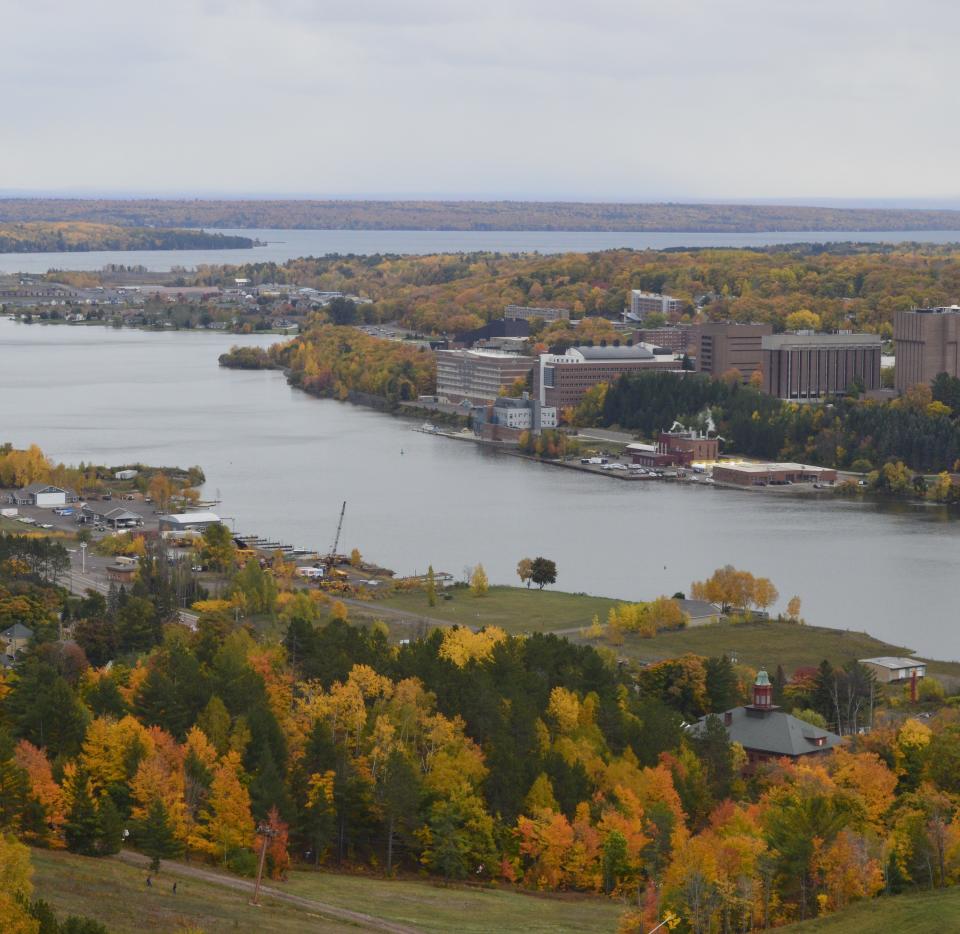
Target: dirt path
x=367, y=922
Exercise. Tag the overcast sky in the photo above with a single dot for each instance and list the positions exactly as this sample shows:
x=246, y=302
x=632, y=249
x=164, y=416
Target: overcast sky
x=567, y=99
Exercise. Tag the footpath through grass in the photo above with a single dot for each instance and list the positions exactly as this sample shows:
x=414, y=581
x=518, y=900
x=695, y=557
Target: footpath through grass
x=514, y=609
x=904, y=914
x=466, y=910
x=116, y=895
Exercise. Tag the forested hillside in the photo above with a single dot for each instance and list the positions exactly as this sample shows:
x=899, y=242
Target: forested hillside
x=40, y=237
x=473, y=215
x=847, y=287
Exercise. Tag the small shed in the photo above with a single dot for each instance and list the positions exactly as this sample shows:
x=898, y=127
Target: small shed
x=890, y=668
x=122, y=573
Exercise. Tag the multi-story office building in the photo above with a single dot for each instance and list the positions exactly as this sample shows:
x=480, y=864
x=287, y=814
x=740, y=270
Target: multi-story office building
x=678, y=339
x=642, y=303
x=560, y=380
x=477, y=376
x=812, y=366
x=525, y=313
x=927, y=342
x=722, y=347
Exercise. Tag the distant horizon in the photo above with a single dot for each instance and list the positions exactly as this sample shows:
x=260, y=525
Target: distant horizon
x=945, y=203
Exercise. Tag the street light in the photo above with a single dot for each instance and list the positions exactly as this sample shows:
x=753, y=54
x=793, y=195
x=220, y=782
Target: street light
x=83, y=557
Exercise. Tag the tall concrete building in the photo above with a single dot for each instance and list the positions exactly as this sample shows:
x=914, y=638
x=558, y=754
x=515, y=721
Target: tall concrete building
x=477, y=376
x=927, y=342
x=812, y=366
x=721, y=347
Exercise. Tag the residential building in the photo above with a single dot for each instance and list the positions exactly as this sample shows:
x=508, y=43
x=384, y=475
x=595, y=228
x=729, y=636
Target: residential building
x=766, y=732
x=477, y=376
x=561, y=380
x=16, y=638
x=813, y=366
x=525, y=313
x=927, y=342
x=643, y=303
x=43, y=495
x=722, y=347
x=889, y=668
x=700, y=612
x=783, y=474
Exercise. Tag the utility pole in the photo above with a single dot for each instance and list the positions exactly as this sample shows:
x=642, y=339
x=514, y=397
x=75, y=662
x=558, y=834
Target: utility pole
x=266, y=832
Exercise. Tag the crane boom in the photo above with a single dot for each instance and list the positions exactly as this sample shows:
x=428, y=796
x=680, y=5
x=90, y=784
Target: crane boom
x=336, y=538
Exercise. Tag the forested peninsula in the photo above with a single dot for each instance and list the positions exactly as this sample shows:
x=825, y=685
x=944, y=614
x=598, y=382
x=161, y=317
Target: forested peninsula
x=80, y=237
x=472, y=215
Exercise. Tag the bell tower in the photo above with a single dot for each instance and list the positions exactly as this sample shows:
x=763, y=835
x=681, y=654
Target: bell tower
x=762, y=693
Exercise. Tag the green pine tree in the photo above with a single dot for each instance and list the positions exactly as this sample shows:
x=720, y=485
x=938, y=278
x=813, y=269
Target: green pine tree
x=156, y=835
x=82, y=826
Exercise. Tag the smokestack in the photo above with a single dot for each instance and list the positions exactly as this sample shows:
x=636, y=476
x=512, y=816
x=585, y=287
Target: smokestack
x=913, y=686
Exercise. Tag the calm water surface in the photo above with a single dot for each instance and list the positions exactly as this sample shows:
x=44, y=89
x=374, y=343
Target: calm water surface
x=282, y=462
x=282, y=245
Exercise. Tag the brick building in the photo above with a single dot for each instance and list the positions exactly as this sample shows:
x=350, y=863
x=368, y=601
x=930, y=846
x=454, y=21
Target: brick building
x=812, y=366
x=561, y=380
x=721, y=347
x=772, y=474
x=478, y=375
x=927, y=342
x=678, y=339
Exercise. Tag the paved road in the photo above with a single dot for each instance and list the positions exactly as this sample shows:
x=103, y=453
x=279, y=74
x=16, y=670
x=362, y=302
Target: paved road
x=367, y=922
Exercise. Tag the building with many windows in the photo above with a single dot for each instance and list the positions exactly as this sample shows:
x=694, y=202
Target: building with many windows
x=525, y=313
x=643, y=303
x=561, y=380
x=722, y=347
x=813, y=366
x=927, y=342
x=477, y=376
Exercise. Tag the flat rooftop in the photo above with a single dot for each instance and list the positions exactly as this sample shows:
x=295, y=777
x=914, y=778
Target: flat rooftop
x=782, y=341
x=892, y=661
x=768, y=468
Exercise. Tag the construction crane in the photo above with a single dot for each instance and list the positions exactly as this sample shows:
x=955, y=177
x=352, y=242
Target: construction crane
x=332, y=557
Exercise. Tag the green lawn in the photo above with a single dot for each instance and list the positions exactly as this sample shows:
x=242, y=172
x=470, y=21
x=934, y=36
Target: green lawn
x=467, y=910
x=116, y=895
x=515, y=609
x=770, y=644
x=904, y=914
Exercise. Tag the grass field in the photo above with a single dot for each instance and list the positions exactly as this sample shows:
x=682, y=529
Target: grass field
x=115, y=894
x=905, y=914
x=771, y=644
x=440, y=908
x=515, y=609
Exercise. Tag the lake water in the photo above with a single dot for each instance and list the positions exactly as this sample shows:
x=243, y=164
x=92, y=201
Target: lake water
x=282, y=462
x=282, y=245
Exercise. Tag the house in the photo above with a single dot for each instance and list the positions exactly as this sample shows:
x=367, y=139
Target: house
x=17, y=638
x=43, y=495
x=766, y=732
x=700, y=612
x=890, y=668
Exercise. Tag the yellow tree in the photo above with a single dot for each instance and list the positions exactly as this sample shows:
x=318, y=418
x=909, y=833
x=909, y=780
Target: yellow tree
x=16, y=886
x=229, y=824
x=479, y=584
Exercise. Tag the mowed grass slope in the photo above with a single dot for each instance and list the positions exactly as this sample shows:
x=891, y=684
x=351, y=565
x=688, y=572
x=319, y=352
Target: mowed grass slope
x=903, y=914
x=116, y=895
x=466, y=910
x=515, y=609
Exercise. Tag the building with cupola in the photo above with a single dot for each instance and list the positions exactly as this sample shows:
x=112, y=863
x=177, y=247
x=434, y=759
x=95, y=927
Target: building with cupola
x=766, y=732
